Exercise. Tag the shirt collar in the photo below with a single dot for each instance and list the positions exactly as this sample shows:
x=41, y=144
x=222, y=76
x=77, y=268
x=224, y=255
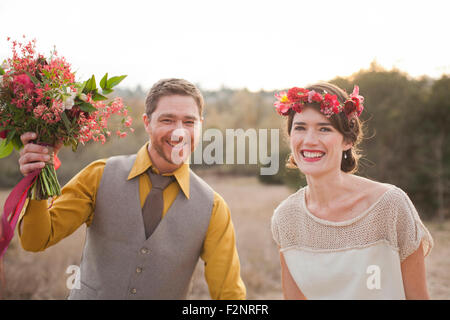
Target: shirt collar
x=143, y=163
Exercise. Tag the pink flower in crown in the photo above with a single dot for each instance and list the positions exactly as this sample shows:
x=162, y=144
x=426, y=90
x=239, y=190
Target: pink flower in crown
x=314, y=97
x=330, y=104
x=297, y=107
x=282, y=105
x=349, y=107
x=357, y=100
x=297, y=94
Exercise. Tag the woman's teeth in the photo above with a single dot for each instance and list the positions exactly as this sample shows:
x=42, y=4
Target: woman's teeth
x=308, y=154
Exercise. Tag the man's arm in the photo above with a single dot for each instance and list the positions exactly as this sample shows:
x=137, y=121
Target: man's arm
x=41, y=226
x=222, y=267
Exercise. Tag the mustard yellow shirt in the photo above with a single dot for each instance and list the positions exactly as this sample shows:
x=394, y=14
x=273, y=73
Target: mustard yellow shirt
x=40, y=228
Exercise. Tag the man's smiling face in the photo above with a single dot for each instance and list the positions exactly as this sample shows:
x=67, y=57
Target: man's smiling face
x=173, y=128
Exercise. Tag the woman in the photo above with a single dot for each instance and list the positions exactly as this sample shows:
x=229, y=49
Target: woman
x=343, y=236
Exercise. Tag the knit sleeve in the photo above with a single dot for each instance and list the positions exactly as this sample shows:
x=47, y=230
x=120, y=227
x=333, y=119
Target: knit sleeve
x=411, y=232
x=274, y=226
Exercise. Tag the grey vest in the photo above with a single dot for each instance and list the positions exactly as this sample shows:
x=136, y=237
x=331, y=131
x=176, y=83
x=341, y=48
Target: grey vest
x=119, y=262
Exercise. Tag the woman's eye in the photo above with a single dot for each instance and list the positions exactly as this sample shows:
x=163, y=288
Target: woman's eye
x=299, y=128
x=325, y=129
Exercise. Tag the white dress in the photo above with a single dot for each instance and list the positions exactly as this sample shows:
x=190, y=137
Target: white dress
x=355, y=259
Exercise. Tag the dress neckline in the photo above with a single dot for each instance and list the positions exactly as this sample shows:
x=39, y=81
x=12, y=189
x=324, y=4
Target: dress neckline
x=344, y=222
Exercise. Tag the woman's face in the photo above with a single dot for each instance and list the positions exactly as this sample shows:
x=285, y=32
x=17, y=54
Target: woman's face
x=315, y=144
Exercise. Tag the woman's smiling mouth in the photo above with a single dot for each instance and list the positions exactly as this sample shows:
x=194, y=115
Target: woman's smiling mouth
x=312, y=155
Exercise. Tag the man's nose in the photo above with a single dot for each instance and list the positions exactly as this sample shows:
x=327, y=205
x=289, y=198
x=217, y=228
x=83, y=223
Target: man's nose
x=180, y=133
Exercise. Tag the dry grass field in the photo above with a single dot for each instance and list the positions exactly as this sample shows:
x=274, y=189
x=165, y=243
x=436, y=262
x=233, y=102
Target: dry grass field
x=43, y=275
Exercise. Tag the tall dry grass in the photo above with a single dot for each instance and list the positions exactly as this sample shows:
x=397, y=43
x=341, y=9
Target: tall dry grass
x=42, y=275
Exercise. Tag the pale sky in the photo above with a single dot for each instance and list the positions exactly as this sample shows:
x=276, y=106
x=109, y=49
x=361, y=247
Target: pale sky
x=254, y=44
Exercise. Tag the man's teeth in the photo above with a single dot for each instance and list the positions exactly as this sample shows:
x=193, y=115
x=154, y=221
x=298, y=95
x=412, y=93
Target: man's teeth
x=307, y=154
x=175, y=143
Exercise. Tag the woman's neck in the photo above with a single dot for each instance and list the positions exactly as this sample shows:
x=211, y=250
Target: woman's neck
x=323, y=190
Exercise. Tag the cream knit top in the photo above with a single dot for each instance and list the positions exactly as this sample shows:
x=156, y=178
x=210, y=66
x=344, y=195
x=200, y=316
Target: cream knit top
x=354, y=259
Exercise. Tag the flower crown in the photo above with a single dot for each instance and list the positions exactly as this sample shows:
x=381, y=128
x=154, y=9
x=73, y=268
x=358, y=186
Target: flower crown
x=296, y=98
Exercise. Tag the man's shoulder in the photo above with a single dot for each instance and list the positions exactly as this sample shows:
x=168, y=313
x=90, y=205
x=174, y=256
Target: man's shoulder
x=218, y=200
x=200, y=181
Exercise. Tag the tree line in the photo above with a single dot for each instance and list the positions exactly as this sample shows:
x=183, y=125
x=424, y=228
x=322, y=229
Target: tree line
x=406, y=120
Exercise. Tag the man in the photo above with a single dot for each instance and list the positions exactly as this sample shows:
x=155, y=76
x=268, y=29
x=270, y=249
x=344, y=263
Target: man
x=149, y=216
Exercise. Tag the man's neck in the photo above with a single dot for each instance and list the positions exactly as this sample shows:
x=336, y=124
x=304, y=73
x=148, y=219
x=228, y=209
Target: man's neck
x=160, y=164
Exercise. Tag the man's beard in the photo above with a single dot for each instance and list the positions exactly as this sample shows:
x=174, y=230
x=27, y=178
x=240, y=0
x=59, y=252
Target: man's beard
x=160, y=151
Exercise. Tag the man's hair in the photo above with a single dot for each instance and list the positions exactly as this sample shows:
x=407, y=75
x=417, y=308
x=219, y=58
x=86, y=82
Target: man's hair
x=170, y=87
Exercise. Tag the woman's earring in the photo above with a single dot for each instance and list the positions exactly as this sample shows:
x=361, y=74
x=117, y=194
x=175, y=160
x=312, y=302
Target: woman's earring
x=345, y=155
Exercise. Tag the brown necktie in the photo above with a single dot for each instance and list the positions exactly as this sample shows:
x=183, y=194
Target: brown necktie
x=154, y=204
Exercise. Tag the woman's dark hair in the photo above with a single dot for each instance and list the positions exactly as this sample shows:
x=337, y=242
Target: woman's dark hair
x=351, y=128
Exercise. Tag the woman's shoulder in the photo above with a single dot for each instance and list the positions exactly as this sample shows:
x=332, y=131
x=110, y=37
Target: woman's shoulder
x=289, y=206
x=285, y=216
x=375, y=191
x=291, y=200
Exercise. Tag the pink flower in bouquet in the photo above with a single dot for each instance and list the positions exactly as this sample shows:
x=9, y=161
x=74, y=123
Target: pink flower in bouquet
x=41, y=95
x=128, y=122
x=22, y=82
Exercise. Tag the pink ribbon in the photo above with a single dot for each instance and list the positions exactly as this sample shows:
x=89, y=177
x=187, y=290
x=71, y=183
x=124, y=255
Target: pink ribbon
x=12, y=209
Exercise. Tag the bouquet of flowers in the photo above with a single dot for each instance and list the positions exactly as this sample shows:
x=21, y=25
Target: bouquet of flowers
x=40, y=94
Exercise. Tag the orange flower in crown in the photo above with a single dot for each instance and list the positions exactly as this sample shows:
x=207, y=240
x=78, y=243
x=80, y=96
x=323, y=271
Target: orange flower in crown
x=296, y=98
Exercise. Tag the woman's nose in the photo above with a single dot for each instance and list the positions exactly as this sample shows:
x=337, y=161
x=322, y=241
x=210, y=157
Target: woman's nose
x=310, y=137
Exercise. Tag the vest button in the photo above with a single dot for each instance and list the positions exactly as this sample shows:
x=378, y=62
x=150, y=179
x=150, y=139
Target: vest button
x=144, y=250
x=133, y=291
x=138, y=270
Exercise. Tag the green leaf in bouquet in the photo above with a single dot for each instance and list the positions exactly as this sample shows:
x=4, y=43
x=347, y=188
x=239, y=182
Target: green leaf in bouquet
x=46, y=74
x=10, y=136
x=87, y=107
x=5, y=148
x=81, y=86
x=104, y=82
x=66, y=121
x=74, y=144
x=98, y=97
x=90, y=85
x=32, y=78
x=114, y=81
x=16, y=142
x=2, y=72
x=107, y=91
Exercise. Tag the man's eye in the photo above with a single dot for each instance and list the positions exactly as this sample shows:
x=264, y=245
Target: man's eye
x=299, y=128
x=189, y=123
x=166, y=120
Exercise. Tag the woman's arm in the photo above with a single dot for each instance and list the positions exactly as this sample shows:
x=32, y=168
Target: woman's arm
x=413, y=274
x=290, y=289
